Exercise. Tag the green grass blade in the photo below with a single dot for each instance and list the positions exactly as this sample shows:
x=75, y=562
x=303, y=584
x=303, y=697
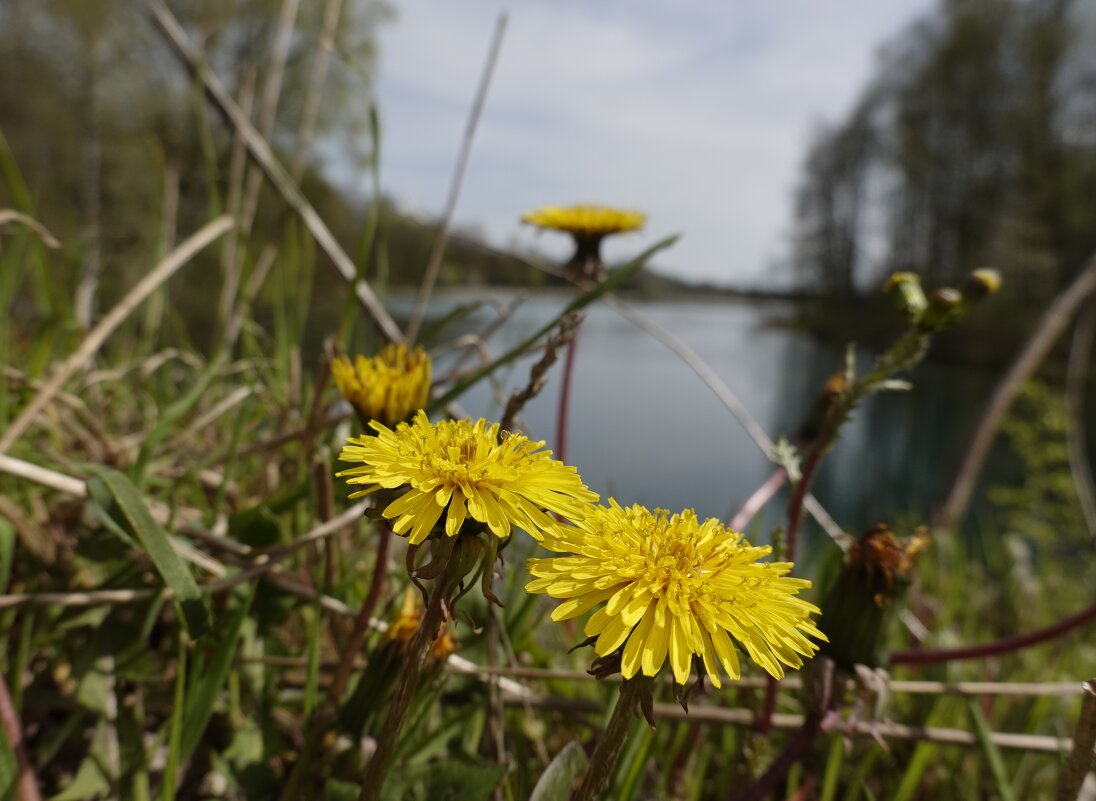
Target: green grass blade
x=205, y=690
x=993, y=754
x=555, y=783
x=923, y=755
x=175, y=730
x=137, y=519
x=615, y=281
x=166, y=424
x=863, y=768
x=834, y=761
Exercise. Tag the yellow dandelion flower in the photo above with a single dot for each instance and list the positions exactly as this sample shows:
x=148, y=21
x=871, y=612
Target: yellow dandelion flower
x=474, y=469
x=674, y=587
x=389, y=387
x=586, y=220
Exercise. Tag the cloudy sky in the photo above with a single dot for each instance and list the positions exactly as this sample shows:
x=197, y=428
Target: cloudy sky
x=696, y=112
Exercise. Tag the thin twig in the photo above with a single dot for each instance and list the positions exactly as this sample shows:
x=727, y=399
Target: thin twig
x=1050, y=327
x=892, y=687
x=311, y=107
x=361, y=624
x=538, y=373
x=114, y=318
x=1005, y=645
x=433, y=264
x=13, y=733
x=263, y=563
x=718, y=715
x=232, y=254
x=10, y=215
x=268, y=106
x=260, y=151
x=756, y=502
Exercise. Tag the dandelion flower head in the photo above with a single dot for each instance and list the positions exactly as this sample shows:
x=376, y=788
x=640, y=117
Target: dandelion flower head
x=389, y=387
x=473, y=469
x=586, y=221
x=674, y=587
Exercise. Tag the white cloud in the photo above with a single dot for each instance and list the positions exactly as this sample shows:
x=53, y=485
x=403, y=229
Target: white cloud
x=696, y=112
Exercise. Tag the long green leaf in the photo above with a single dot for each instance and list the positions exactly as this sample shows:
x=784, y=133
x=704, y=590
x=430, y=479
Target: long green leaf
x=138, y=521
x=175, y=725
x=206, y=688
x=993, y=754
x=833, y=769
x=555, y=782
x=615, y=281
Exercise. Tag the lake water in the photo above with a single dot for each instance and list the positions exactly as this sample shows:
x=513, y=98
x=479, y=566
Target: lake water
x=644, y=427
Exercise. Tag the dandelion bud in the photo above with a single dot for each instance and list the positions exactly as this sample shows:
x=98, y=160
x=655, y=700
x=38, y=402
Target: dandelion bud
x=908, y=295
x=946, y=308
x=981, y=283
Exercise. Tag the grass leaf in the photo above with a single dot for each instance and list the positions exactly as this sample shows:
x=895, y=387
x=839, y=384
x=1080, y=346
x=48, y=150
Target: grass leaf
x=204, y=690
x=555, y=783
x=137, y=520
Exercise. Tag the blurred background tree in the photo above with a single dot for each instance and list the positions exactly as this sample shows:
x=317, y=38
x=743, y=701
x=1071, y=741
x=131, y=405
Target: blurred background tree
x=974, y=144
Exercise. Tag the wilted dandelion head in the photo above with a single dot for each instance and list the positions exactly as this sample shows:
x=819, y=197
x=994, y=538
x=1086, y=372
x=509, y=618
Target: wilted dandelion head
x=388, y=387
x=406, y=623
x=473, y=469
x=675, y=587
x=585, y=221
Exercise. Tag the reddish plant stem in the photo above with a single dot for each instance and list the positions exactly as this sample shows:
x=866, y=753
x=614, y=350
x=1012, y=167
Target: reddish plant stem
x=361, y=623
x=565, y=399
x=757, y=501
x=1005, y=645
x=795, y=518
x=803, y=486
x=13, y=732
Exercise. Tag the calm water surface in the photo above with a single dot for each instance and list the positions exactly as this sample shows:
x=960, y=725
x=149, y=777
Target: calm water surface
x=644, y=427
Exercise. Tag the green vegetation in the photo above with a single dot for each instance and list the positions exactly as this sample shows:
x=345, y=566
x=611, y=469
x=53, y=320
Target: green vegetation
x=182, y=577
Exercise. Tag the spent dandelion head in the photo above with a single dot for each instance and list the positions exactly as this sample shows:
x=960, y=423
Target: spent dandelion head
x=474, y=470
x=674, y=587
x=389, y=387
x=587, y=225
x=403, y=627
x=867, y=595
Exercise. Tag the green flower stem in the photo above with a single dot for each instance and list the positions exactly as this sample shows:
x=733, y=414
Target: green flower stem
x=612, y=741
x=418, y=651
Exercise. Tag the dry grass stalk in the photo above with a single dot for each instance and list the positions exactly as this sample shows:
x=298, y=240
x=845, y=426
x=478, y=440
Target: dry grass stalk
x=114, y=318
x=433, y=263
x=260, y=150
